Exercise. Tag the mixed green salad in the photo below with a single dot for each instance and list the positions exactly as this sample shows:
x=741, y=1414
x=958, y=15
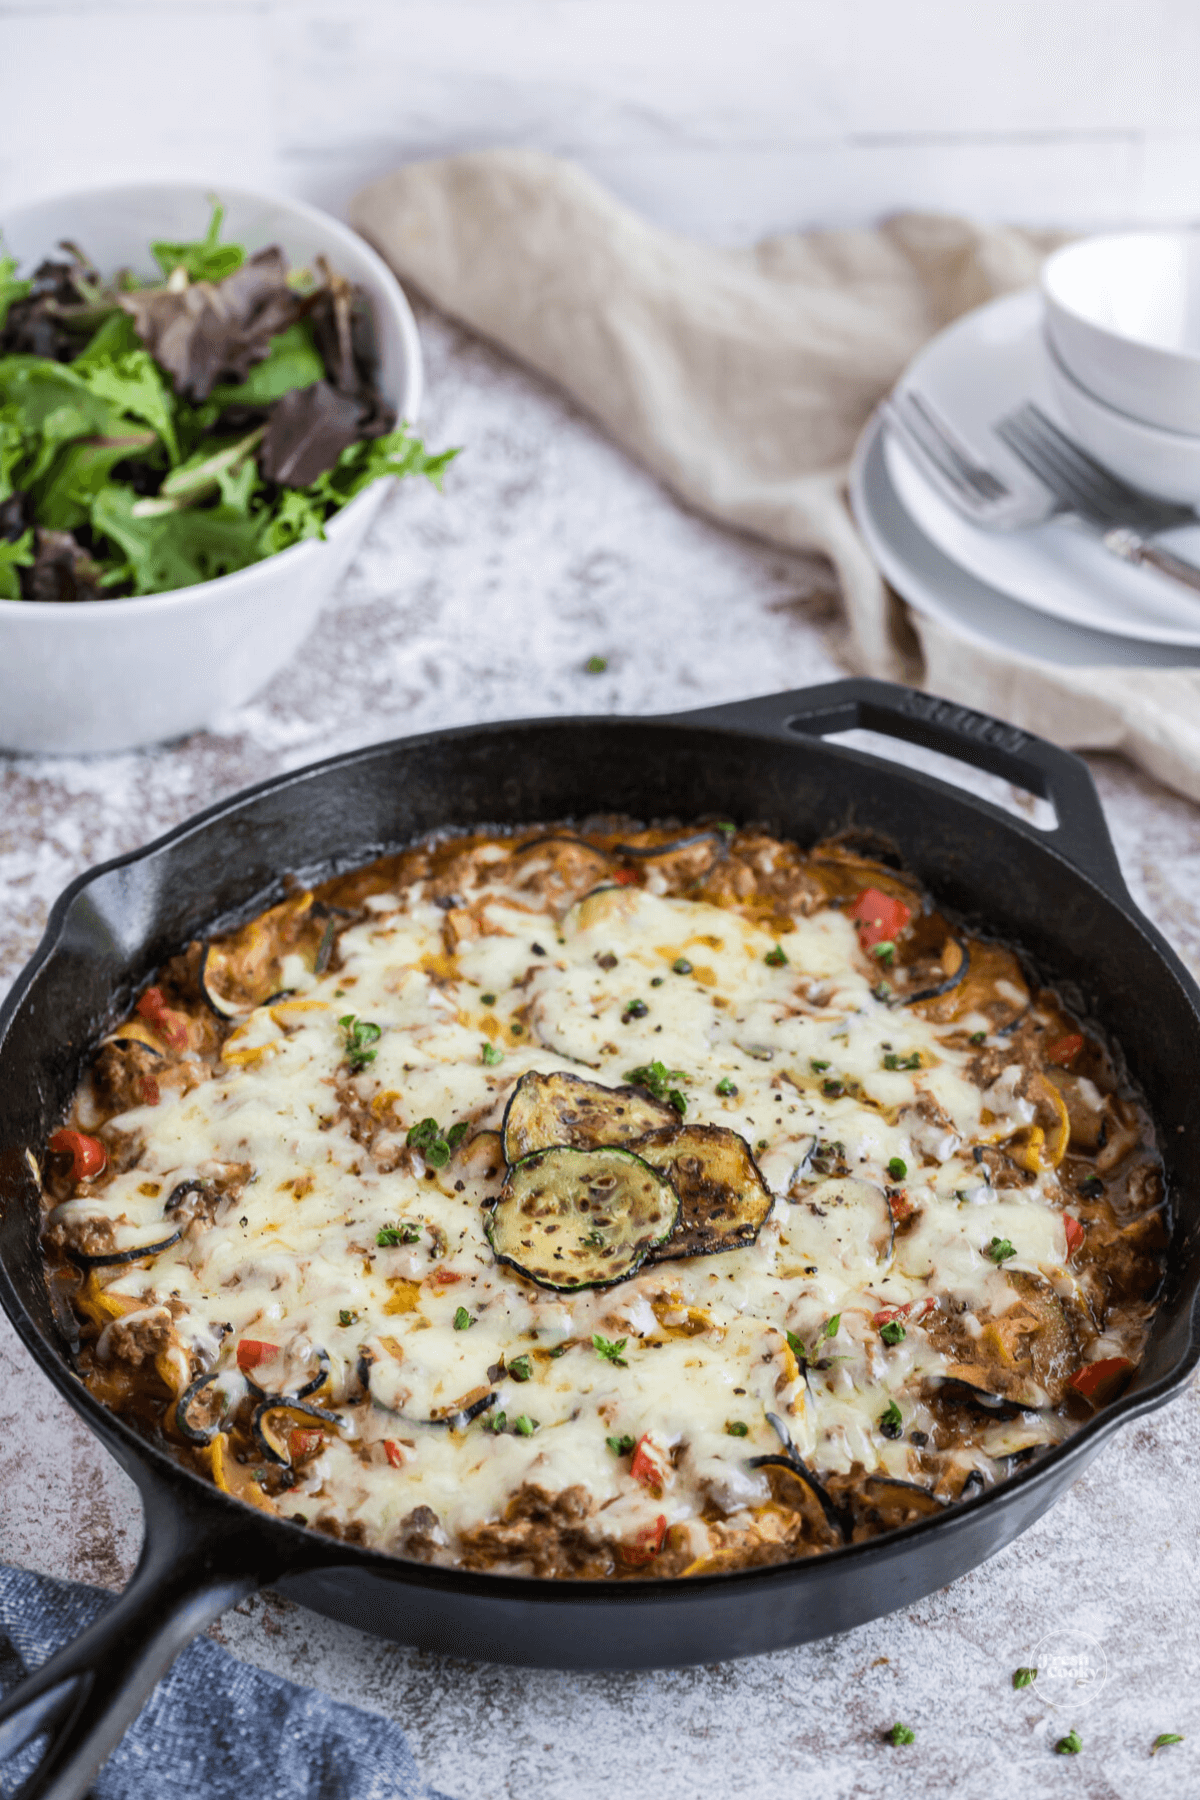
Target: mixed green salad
x=158, y=434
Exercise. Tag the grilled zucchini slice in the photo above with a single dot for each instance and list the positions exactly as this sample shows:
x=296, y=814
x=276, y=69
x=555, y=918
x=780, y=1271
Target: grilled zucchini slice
x=723, y=1197
x=546, y=1110
x=570, y=1217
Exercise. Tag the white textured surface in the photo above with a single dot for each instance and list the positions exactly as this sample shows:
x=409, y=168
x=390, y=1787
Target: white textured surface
x=727, y=118
x=547, y=548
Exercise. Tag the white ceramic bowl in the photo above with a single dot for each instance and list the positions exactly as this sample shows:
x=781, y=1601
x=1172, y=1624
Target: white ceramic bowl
x=113, y=674
x=1166, y=463
x=1123, y=316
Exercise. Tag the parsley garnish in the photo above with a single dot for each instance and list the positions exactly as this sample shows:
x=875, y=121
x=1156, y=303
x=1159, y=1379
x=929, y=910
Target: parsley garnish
x=831, y=1326
x=681, y=966
x=735, y=1428
x=1164, y=1738
x=489, y=1055
x=347, y=1318
x=893, y=1332
x=620, y=1446
x=358, y=1034
x=901, y=1734
x=463, y=1320
x=525, y=1426
x=891, y=1421
x=520, y=1368
x=655, y=1077
x=726, y=1086
x=636, y=1009
x=1024, y=1677
x=886, y=952
x=977, y=1037
x=487, y=999
x=388, y=1236
x=595, y=665
x=595, y=1239
x=609, y=1351
x=725, y=828
x=832, y=1090
x=1070, y=1745
x=897, y=1168
x=777, y=957
x=894, y=1060
x=999, y=1250
x=817, y=1067
x=496, y=1423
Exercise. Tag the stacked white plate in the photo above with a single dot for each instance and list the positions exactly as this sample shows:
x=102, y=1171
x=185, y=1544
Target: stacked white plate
x=1050, y=590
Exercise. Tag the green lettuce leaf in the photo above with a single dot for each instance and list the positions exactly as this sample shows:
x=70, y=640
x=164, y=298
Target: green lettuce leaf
x=172, y=550
x=132, y=383
x=63, y=498
x=291, y=362
x=11, y=289
x=204, y=259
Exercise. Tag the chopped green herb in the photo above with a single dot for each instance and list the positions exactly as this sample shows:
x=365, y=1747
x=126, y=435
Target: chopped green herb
x=1164, y=1738
x=897, y=1168
x=735, y=1428
x=798, y=1350
x=463, y=1320
x=620, y=1446
x=886, y=952
x=978, y=1037
x=817, y=1066
x=520, y=1368
x=832, y=1090
x=726, y=1086
x=434, y=1144
x=636, y=1009
x=999, y=1250
x=882, y=990
x=407, y=1232
x=496, y=1423
x=487, y=999
x=596, y=665
x=901, y=1734
x=1024, y=1677
x=595, y=1239
x=681, y=966
x=489, y=1055
x=725, y=828
x=347, y=1318
x=609, y=1351
x=893, y=1332
x=831, y=1326
x=1092, y=1188
x=559, y=1350
x=524, y=1426
x=456, y=1134
x=762, y=1144
x=358, y=1034
x=657, y=980
x=891, y=1420
x=1070, y=1745
x=894, y=1060
x=656, y=1077
x=776, y=957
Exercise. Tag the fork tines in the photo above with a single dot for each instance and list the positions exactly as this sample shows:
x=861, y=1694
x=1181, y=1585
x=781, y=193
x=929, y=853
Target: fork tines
x=1080, y=483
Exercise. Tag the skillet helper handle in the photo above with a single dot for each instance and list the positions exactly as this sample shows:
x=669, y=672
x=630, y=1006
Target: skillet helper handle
x=195, y=1563
x=1081, y=835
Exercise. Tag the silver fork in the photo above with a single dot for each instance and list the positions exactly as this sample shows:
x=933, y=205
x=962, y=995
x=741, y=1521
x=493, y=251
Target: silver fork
x=965, y=483
x=1125, y=517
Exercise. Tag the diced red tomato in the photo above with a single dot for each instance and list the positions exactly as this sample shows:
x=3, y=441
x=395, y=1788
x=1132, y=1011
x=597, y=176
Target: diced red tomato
x=443, y=1277
x=1064, y=1050
x=171, y=1025
x=646, y=1465
x=395, y=1454
x=1101, y=1381
x=647, y=1544
x=900, y=1207
x=626, y=877
x=304, y=1443
x=88, y=1155
x=1075, y=1233
x=913, y=1310
x=253, y=1351
x=148, y=1090
x=879, y=917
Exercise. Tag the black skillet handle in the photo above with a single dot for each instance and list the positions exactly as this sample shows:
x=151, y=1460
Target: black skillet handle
x=197, y=1559
x=1081, y=835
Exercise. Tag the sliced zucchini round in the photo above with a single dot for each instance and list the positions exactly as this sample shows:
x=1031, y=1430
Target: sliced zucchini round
x=723, y=1197
x=575, y=1218
x=546, y=1110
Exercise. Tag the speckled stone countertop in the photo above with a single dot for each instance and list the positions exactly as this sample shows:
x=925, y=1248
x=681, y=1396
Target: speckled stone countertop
x=548, y=548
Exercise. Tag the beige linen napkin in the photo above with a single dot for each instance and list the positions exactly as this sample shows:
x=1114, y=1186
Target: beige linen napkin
x=742, y=378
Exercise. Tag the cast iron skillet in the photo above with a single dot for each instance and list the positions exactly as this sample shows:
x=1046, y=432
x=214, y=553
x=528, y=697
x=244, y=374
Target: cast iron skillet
x=1058, y=894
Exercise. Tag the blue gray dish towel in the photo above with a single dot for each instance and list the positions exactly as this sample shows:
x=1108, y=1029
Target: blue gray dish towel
x=214, y=1729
